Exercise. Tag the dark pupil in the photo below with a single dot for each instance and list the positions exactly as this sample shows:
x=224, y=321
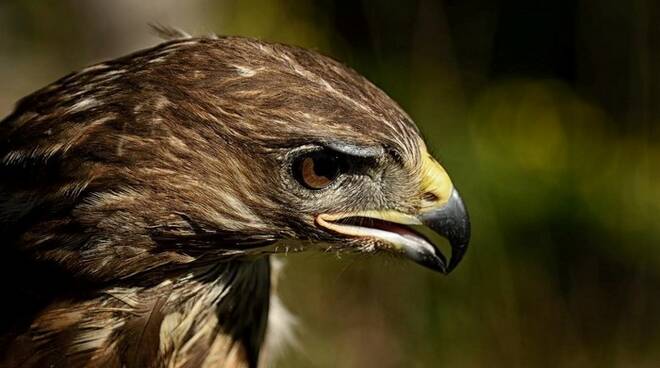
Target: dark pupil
x=316, y=170
x=326, y=165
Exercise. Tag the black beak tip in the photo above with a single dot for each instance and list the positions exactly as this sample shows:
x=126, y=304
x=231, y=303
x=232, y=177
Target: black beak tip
x=457, y=253
x=459, y=240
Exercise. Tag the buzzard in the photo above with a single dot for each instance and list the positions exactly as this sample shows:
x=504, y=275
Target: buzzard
x=141, y=199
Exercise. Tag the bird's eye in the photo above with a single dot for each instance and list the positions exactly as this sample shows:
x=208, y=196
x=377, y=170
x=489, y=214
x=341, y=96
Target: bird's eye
x=317, y=170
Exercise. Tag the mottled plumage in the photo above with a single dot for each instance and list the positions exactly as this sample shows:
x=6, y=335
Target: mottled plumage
x=140, y=198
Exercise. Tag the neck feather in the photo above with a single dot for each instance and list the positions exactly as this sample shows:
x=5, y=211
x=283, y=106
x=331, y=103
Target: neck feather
x=213, y=316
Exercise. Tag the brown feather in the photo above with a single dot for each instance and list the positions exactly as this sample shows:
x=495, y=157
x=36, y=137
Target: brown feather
x=142, y=334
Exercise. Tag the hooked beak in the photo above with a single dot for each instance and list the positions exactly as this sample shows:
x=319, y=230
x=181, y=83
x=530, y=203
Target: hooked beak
x=442, y=211
x=453, y=223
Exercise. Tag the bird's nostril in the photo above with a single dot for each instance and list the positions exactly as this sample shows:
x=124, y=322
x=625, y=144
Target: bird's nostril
x=430, y=197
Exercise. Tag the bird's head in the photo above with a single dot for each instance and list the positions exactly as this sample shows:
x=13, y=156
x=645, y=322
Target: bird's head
x=317, y=153
x=232, y=144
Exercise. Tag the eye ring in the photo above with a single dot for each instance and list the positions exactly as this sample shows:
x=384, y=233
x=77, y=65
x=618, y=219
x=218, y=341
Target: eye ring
x=318, y=169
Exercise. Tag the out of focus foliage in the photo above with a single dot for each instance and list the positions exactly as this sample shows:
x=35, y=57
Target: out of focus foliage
x=545, y=113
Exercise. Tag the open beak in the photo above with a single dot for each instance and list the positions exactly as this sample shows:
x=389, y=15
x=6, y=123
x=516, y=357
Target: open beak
x=442, y=211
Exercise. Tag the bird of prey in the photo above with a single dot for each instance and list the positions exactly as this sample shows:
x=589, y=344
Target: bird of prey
x=142, y=198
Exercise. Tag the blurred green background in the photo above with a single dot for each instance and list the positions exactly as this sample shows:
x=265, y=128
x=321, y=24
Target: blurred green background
x=545, y=113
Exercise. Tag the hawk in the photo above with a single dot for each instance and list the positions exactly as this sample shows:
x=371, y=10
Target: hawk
x=141, y=200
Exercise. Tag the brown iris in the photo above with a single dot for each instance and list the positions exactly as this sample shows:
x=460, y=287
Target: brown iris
x=317, y=170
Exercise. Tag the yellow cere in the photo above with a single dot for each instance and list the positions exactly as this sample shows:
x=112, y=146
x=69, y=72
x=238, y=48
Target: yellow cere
x=436, y=181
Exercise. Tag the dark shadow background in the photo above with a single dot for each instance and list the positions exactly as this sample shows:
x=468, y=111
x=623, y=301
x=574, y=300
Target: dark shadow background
x=546, y=115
